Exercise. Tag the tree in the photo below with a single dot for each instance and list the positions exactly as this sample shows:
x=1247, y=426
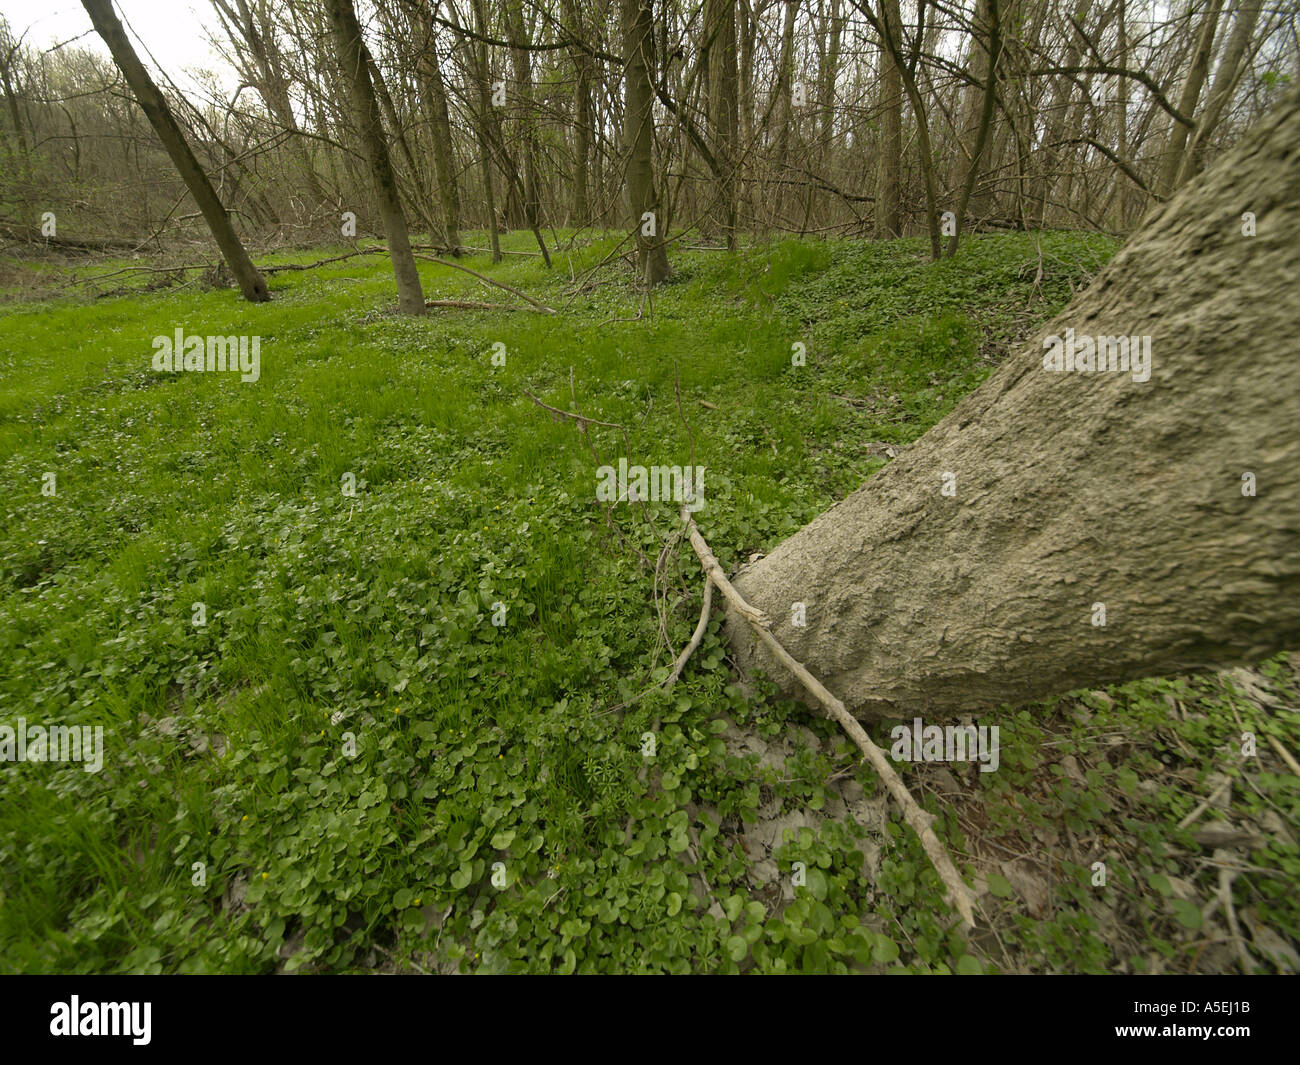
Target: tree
x=889, y=172
x=1196, y=76
x=720, y=33
x=993, y=23
x=424, y=29
x=252, y=32
x=1225, y=81
x=352, y=57
x=582, y=118
x=648, y=224
x=154, y=105
x=1071, y=529
x=891, y=41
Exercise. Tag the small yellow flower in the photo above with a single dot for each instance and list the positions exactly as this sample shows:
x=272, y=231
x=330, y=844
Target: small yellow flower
x=244, y=818
x=265, y=875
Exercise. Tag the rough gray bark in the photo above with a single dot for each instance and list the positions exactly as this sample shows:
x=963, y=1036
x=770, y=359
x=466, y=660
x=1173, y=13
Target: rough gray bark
x=160, y=117
x=352, y=56
x=1074, y=489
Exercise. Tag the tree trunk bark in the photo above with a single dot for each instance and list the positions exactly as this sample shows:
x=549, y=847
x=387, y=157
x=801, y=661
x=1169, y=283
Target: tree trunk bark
x=973, y=571
x=993, y=23
x=582, y=120
x=1225, y=81
x=1196, y=76
x=889, y=172
x=890, y=33
x=425, y=29
x=785, y=84
x=723, y=81
x=642, y=196
x=152, y=102
x=347, y=37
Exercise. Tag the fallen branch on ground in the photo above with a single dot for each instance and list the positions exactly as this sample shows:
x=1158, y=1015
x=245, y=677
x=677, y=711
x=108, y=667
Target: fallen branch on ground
x=958, y=893
x=475, y=305
x=323, y=262
x=581, y=419
x=488, y=281
x=696, y=637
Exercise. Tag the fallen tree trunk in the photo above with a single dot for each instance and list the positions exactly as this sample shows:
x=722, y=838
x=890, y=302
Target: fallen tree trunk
x=1068, y=529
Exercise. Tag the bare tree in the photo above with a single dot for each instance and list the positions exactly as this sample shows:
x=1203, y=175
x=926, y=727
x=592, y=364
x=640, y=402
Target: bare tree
x=160, y=117
x=351, y=54
x=648, y=224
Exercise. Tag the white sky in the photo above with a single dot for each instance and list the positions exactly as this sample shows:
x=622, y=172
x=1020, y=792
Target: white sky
x=173, y=30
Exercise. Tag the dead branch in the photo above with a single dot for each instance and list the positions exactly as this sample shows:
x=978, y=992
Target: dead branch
x=475, y=305
x=959, y=894
x=696, y=637
x=581, y=419
x=322, y=262
x=488, y=281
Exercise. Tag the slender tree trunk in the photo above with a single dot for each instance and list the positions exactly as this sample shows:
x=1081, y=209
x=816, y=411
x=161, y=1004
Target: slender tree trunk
x=266, y=71
x=521, y=68
x=1196, y=76
x=973, y=93
x=826, y=84
x=784, y=84
x=720, y=31
x=582, y=121
x=1121, y=120
x=890, y=34
x=1049, y=155
x=351, y=53
x=889, y=171
x=986, y=117
x=160, y=117
x=429, y=69
x=1061, y=530
x=638, y=114
x=1225, y=81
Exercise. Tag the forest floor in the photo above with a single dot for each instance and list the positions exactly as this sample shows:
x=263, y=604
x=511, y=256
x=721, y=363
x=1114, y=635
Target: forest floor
x=377, y=671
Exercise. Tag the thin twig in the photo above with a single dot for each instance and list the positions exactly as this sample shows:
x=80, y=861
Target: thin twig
x=696, y=637
x=581, y=419
x=487, y=281
x=959, y=894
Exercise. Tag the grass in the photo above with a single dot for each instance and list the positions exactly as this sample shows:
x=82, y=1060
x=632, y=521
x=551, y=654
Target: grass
x=407, y=734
